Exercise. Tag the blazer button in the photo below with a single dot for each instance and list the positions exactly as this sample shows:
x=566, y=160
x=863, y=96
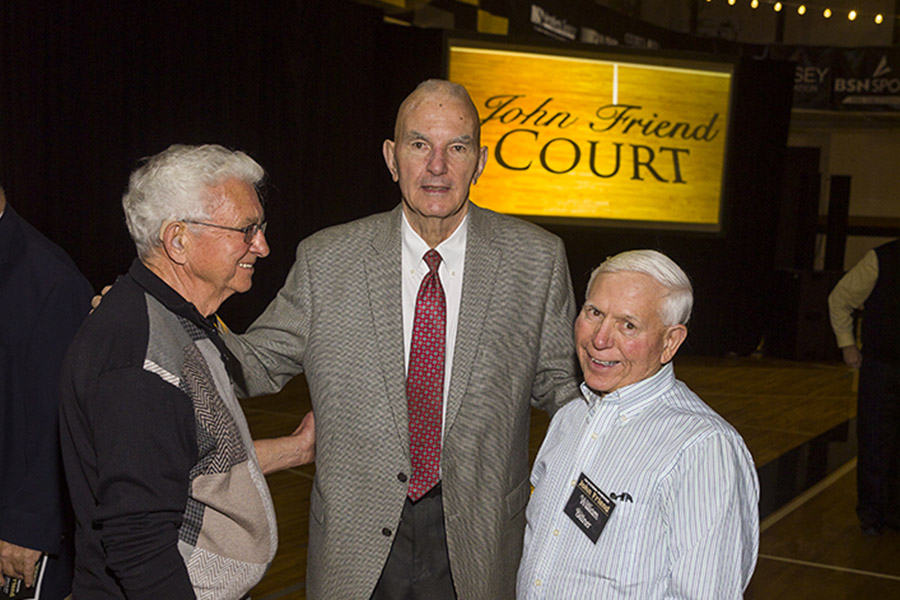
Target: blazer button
x=401, y=477
x=386, y=532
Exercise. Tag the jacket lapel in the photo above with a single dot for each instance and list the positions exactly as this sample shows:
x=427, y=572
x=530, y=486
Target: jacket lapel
x=482, y=262
x=386, y=304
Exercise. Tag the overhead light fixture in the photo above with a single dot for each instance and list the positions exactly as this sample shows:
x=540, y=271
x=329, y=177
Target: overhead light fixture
x=802, y=10
x=879, y=18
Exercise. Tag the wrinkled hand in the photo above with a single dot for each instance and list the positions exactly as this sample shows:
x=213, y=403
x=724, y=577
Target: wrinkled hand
x=305, y=435
x=16, y=561
x=852, y=356
x=96, y=300
x=298, y=448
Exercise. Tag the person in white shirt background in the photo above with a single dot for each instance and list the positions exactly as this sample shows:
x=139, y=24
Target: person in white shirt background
x=875, y=282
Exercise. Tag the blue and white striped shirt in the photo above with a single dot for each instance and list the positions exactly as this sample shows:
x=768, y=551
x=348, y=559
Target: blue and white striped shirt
x=686, y=520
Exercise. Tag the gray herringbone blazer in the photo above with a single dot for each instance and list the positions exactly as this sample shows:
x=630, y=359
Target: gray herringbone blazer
x=338, y=319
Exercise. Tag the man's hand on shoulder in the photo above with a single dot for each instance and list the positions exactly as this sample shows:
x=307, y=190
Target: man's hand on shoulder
x=96, y=300
x=17, y=561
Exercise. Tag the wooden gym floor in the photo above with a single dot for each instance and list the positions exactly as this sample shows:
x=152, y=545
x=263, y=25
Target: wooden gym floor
x=797, y=419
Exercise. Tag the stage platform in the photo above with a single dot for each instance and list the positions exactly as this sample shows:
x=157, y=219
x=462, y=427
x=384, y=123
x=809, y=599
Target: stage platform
x=798, y=421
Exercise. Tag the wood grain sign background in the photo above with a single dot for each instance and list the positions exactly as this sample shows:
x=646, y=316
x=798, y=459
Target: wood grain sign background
x=571, y=137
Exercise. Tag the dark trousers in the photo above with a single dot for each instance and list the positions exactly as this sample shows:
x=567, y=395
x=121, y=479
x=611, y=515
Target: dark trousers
x=878, y=430
x=418, y=566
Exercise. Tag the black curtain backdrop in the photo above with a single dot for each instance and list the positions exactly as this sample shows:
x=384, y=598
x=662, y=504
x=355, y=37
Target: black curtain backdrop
x=309, y=88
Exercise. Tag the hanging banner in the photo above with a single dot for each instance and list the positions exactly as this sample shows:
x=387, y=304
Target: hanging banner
x=858, y=79
x=866, y=78
x=813, y=77
x=627, y=139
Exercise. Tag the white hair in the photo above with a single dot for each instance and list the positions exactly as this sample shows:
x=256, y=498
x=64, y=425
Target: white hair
x=173, y=186
x=677, y=303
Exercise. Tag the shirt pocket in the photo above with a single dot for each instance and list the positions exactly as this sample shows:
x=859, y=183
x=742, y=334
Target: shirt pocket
x=631, y=539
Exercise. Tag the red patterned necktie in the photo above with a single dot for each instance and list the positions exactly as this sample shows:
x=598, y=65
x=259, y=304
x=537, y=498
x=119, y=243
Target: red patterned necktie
x=425, y=380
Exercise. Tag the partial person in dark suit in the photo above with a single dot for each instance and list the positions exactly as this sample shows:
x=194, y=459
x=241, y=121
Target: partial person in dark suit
x=875, y=281
x=43, y=300
x=421, y=472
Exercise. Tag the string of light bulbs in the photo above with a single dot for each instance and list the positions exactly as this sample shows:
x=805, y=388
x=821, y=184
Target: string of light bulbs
x=803, y=9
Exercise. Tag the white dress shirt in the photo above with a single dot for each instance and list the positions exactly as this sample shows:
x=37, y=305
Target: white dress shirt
x=453, y=255
x=850, y=293
x=686, y=520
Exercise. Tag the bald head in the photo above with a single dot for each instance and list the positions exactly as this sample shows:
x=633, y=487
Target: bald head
x=2, y=199
x=435, y=89
x=435, y=157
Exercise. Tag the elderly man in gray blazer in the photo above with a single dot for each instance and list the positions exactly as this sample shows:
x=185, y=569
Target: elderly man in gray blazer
x=422, y=463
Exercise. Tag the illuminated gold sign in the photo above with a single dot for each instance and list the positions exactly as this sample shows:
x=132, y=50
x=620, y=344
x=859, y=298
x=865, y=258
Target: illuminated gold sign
x=602, y=138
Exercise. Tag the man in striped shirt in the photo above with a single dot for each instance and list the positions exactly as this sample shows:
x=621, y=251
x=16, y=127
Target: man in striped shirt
x=640, y=490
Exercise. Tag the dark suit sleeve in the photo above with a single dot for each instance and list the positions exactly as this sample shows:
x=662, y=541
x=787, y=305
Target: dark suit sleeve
x=34, y=503
x=555, y=380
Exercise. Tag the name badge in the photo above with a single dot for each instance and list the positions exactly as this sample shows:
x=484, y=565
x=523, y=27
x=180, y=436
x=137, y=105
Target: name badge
x=589, y=508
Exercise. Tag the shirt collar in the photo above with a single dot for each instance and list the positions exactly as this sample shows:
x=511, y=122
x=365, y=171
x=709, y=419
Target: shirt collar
x=633, y=399
x=163, y=292
x=176, y=303
x=169, y=298
x=452, y=250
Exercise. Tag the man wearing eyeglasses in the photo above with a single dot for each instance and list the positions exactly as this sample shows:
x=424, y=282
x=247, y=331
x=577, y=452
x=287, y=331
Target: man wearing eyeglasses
x=166, y=483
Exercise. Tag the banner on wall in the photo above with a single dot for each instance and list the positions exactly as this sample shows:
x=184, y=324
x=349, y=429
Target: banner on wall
x=863, y=79
x=630, y=140
x=583, y=22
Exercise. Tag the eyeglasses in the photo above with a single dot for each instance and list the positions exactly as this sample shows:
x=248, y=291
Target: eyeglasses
x=249, y=231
